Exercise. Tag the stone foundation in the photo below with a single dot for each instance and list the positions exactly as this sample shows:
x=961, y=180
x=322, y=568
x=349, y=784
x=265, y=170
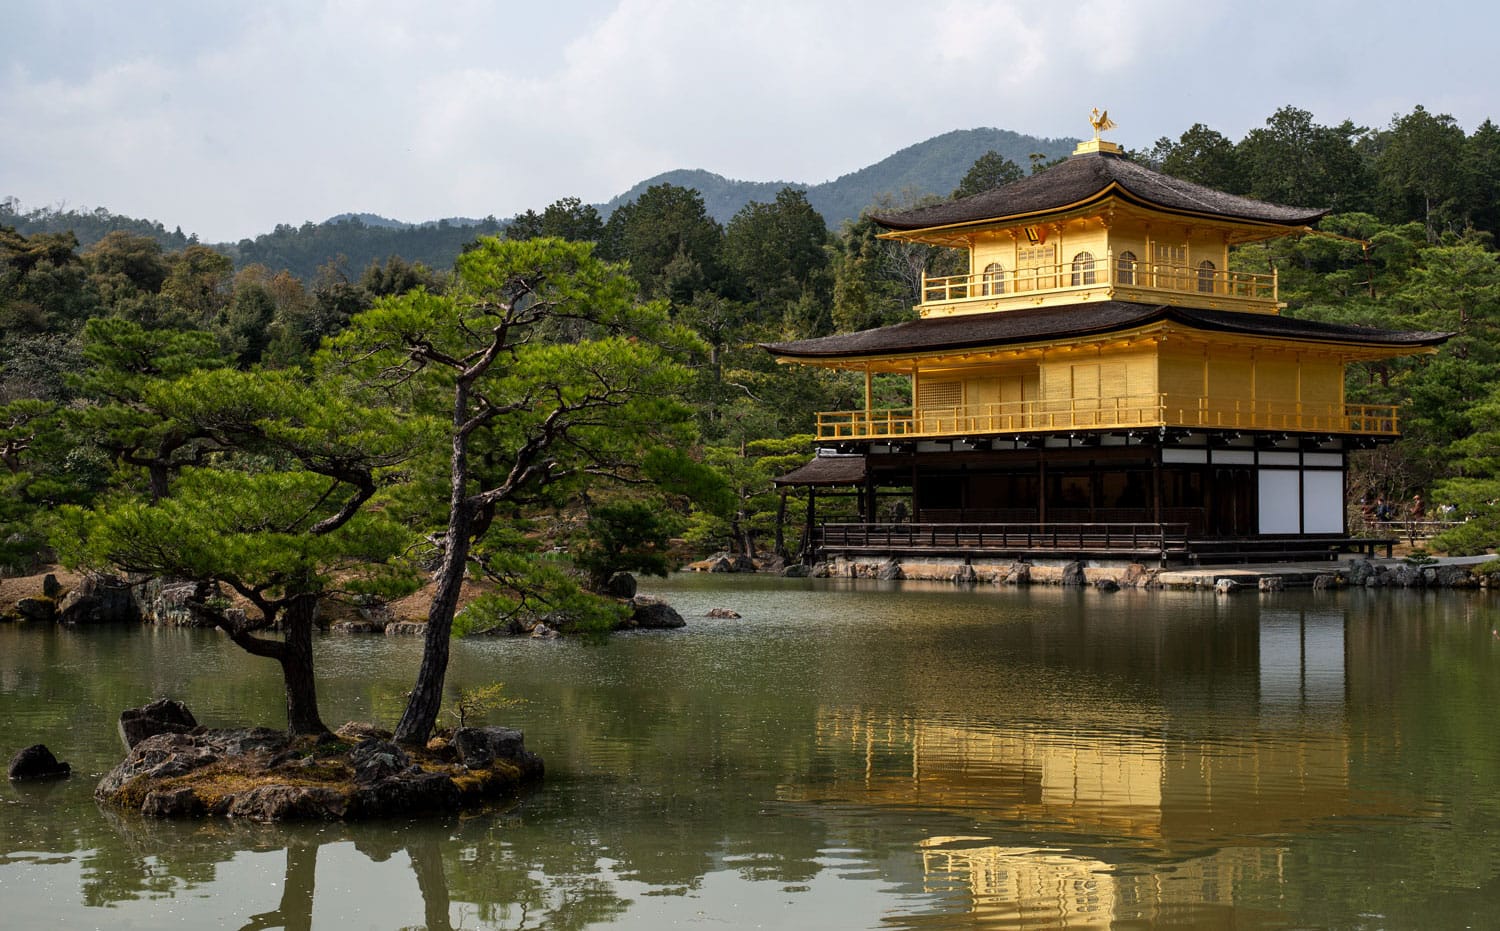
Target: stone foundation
x=1361, y=573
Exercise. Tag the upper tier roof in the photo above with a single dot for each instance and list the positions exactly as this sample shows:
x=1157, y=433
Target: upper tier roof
x=1039, y=324
x=1092, y=176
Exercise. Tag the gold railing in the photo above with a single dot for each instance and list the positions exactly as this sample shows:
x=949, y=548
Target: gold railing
x=1107, y=413
x=1068, y=276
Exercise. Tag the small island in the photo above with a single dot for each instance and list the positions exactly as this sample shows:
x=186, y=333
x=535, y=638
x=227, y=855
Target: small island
x=178, y=769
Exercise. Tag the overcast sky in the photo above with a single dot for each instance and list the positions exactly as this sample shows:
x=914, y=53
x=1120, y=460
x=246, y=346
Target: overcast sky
x=227, y=118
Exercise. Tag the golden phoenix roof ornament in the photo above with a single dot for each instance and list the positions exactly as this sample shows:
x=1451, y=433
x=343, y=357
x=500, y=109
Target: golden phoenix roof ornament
x=1100, y=121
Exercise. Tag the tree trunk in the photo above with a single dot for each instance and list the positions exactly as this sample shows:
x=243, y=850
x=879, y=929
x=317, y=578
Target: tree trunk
x=426, y=700
x=160, y=478
x=297, y=667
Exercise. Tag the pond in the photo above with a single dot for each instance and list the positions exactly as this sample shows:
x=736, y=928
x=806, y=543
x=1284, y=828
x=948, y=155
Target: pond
x=844, y=755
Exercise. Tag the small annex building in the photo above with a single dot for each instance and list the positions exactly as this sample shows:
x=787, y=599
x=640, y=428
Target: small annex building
x=1101, y=382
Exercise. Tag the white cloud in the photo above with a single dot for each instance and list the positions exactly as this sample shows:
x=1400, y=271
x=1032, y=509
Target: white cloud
x=230, y=119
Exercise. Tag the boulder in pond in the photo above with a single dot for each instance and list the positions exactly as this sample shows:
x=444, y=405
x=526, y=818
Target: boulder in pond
x=163, y=716
x=620, y=585
x=37, y=762
x=653, y=614
x=482, y=747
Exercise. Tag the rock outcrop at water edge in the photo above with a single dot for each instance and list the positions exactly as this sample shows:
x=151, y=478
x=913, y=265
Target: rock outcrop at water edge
x=163, y=716
x=257, y=774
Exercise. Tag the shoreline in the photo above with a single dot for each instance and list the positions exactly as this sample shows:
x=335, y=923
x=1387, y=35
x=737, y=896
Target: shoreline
x=1460, y=573
x=45, y=596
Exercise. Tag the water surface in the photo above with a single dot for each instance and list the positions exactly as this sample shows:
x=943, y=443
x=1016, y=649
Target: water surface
x=844, y=755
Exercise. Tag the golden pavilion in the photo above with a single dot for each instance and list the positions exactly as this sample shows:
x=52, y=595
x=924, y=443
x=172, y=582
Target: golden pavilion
x=1101, y=382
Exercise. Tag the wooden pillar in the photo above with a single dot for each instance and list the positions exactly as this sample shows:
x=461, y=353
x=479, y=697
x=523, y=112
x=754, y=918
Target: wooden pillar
x=1041, y=491
x=869, y=400
x=781, y=522
x=812, y=516
x=1156, y=487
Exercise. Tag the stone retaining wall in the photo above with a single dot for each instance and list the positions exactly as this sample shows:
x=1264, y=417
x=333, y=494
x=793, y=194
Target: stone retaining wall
x=1363, y=573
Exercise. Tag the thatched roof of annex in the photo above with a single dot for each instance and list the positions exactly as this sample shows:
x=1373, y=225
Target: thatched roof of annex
x=1040, y=324
x=1085, y=178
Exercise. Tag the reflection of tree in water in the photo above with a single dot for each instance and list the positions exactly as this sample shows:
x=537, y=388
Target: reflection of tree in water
x=554, y=884
x=143, y=859
x=526, y=881
x=427, y=862
x=295, y=911
x=557, y=867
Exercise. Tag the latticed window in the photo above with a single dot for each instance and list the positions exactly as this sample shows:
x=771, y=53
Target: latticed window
x=1170, y=263
x=1206, y=272
x=1125, y=268
x=1083, y=269
x=939, y=394
x=994, y=279
x=1036, y=267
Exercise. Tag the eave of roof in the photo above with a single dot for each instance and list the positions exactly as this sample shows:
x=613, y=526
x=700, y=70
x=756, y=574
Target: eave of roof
x=1083, y=179
x=1070, y=321
x=826, y=470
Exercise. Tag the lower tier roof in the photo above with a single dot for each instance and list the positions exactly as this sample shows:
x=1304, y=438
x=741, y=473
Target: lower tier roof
x=1041, y=324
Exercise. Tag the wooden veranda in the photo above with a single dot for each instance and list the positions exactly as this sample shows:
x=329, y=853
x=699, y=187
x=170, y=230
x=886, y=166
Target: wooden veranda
x=1163, y=543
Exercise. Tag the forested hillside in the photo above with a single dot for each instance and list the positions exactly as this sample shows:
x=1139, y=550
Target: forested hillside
x=97, y=337
x=87, y=226
x=352, y=245
x=931, y=167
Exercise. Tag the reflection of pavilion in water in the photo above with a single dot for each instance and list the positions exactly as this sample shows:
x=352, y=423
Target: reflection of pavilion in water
x=1182, y=805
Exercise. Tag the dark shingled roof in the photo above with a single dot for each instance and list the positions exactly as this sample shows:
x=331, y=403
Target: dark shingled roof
x=1037, y=324
x=826, y=470
x=1085, y=177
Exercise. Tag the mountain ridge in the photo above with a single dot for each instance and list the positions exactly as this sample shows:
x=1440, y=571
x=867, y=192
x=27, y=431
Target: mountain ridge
x=931, y=167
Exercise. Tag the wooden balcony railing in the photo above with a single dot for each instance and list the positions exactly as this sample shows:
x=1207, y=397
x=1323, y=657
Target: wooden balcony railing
x=1094, y=537
x=1202, y=280
x=1106, y=414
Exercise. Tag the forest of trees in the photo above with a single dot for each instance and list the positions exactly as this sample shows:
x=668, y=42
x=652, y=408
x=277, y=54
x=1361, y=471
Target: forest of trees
x=594, y=385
